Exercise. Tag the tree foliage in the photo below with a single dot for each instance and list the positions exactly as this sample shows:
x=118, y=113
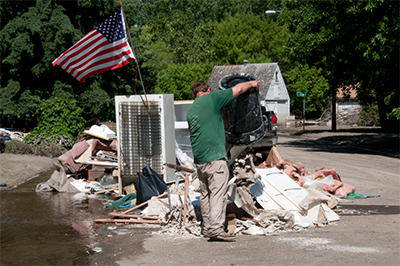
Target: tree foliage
x=351, y=41
x=67, y=124
x=246, y=36
x=303, y=78
x=178, y=78
x=178, y=42
x=32, y=39
x=182, y=32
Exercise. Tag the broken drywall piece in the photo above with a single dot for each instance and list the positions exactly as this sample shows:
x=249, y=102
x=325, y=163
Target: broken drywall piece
x=312, y=197
x=247, y=201
x=234, y=195
x=157, y=208
x=276, y=190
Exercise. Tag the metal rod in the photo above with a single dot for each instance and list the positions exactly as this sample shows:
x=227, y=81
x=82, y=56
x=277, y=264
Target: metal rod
x=304, y=113
x=103, y=159
x=136, y=60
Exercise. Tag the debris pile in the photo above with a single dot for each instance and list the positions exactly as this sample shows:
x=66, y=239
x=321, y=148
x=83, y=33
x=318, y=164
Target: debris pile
x=325, y=179
x=88, y=167
x=262, y=200
x=7, y=135
x=92, y=150
x=276, y=196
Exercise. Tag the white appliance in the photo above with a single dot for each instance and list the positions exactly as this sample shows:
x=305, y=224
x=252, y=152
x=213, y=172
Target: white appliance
x=145, y=134
x=182, y=133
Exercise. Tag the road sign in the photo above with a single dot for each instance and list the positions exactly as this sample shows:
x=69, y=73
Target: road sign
x=301, y=94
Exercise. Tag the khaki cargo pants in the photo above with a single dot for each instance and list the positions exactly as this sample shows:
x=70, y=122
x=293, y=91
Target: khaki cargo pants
x=213, y=179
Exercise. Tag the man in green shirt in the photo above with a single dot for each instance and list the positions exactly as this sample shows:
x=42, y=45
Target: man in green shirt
x=207, y=136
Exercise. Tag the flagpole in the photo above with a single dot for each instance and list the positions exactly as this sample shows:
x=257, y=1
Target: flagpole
x=133, y=50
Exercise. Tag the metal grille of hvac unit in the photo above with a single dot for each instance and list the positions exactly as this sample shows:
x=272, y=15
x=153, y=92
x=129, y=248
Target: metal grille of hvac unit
x=141, y=144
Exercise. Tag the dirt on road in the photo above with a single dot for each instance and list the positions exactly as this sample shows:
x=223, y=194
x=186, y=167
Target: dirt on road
x=16, y=169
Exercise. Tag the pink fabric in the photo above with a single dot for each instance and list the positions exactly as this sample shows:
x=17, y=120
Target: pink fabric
x=274, y=159
x=345, y=190
x=69, y=156
x=324, y=173
x=289, y=169
x=297, y=171
x=300, y=181
x=332, y=188
x=79, y=148
x=105, y=145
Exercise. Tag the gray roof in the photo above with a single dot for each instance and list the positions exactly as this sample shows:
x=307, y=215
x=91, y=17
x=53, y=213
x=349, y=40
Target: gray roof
x=262, y=72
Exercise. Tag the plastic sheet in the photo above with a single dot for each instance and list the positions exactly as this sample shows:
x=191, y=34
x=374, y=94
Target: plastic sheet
x=318, y=182
x=148, y=185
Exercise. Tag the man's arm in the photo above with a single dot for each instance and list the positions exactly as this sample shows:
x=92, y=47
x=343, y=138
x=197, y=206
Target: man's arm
x=244, y=86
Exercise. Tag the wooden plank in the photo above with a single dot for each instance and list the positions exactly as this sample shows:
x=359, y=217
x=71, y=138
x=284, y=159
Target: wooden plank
x=115, y=214
x=179, y=168
x=126, y=221
x=185, y=199
x=104, y=191
x=144, y=203
x=110, y=164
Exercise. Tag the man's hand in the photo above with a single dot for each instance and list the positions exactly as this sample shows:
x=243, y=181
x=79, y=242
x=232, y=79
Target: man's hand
x=244, y=86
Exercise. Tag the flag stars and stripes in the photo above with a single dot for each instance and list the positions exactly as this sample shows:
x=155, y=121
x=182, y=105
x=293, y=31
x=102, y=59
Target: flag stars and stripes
x=112, y=28
x=104, y=48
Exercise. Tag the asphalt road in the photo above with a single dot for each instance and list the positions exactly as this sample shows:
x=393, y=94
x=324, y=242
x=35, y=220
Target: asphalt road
x=368, y=236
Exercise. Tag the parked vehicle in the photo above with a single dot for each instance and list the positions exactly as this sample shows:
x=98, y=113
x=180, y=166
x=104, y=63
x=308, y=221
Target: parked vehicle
x=182, y=134
x=270, y=138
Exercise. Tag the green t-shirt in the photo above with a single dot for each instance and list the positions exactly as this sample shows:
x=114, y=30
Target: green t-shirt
x=206, y=126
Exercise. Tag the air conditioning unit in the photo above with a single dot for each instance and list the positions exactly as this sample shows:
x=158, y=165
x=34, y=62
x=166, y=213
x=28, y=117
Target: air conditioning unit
x=145, y=134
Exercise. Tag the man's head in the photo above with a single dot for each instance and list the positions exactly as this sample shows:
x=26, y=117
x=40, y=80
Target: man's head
x=199, y=87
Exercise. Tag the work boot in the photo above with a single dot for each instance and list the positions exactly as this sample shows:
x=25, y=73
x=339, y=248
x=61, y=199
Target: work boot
x=224, y=237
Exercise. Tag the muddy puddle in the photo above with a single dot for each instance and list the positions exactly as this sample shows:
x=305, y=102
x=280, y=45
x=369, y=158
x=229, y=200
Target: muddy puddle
x=47, y=228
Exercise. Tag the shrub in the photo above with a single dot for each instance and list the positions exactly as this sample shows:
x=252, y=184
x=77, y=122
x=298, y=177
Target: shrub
x=17, y=147
x=369, y=116
x=395, y=113
x=60, y=120
x=47, y=149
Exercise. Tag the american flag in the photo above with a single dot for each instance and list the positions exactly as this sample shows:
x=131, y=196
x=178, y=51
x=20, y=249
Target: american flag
x=102, y=49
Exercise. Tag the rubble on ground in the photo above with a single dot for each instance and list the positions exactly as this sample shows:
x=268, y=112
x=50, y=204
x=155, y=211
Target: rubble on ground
x=246, y=213
x=7, y=135
x=327, y=180
x=276, y=196
x=89, y=167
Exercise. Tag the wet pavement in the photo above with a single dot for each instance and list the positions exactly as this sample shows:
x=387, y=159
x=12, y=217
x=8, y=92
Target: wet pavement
x=47, y=228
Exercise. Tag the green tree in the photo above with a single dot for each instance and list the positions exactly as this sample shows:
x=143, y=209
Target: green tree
x=246, y=36
x=66, y=125
x=28, y=44
x=365, y=52
x=303, y=78
x=32, y=38
x=181, y=32
x=177, y=79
